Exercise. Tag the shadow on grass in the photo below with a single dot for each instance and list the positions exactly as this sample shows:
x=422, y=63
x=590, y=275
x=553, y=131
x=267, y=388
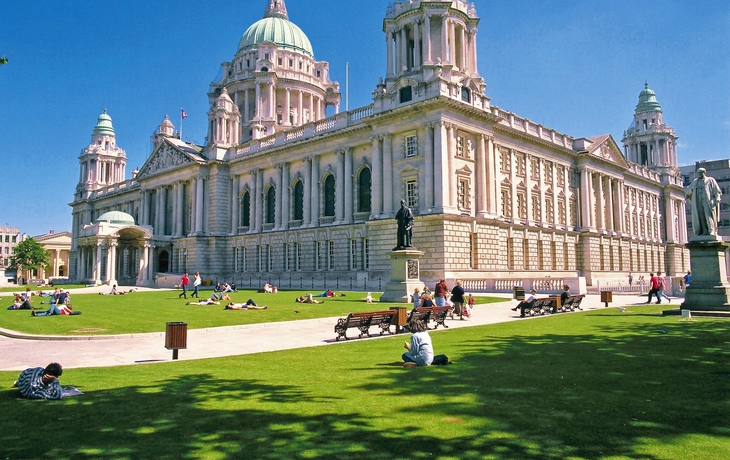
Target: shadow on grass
x=622, y=389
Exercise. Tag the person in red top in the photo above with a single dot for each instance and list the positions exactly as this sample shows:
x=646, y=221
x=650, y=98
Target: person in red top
x=184, y=285
x=439, y=293
x=654, y=288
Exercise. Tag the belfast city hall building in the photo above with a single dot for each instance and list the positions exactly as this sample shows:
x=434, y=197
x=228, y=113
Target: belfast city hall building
x=282, y=191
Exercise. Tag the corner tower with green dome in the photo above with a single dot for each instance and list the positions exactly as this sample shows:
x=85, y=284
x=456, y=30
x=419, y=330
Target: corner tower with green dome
x=102, y=163
x=273, y=80
x=649, y=141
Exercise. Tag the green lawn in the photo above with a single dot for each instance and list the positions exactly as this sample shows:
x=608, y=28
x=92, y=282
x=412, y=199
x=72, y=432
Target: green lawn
x=149, y=311
x=593, y=385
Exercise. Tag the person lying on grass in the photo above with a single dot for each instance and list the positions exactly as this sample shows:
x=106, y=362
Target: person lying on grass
x=249, y=305
x=204, y=302
x=420, y=349
x=308, y=299
x=60, y=309
x=40, y=383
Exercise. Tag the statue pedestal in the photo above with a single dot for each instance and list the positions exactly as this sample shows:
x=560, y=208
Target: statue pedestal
x=405, y=276
x=710, y=290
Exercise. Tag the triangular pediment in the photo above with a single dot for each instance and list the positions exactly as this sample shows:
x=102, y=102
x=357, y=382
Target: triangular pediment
x=169, y=155
x=605, y=148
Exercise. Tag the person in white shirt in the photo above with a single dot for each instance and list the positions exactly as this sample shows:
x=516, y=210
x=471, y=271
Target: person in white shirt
x=527, y=303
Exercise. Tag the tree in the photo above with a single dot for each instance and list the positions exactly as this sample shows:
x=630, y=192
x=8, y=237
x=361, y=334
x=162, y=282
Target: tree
x=28, y=255
x=3, y=60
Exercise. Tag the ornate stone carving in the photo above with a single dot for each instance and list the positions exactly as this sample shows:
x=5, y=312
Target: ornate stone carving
x=413, y=269
x=167, y=158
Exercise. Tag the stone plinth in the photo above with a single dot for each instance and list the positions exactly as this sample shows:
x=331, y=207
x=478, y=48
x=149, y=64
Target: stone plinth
x=710, y=290
x=405, y=276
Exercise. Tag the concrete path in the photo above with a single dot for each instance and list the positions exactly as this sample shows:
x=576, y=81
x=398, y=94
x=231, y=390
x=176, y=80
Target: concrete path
x=20, y=351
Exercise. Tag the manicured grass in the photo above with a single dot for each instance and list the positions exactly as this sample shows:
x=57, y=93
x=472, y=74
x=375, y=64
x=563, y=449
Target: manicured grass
x=149, y=311
x=20, y=289
x=594, y=385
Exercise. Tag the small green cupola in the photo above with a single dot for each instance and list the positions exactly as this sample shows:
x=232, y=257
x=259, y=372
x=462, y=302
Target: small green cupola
x=104, y=125
x=647, y=101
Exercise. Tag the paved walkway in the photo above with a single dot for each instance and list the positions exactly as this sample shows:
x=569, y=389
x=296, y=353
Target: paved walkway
x=20, y=351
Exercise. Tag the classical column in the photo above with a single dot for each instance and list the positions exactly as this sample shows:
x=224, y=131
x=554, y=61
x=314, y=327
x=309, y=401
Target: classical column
x=428, y=189
x=403, y=49
x=163, y=211
x=463, y=65
x=279, y=171
x=56, y=262
x=253, y=223
x=236, y=204
x=452, y=133
x=348, y=186
x=493, y=193
x=444, y=39
x=416, y=45
x=180, y=208
x=286, y=115
x=285, y=194
x=340, y=186
x=389, y=52
x=307, y=213
x=111, y=261
x=474, y=57
x=259, y=200
x=427, y=40
x=97, y=264
x=314, y=193
x=600, y=202
x=377, y=178
x=199, y=203
x=151, y=264
x=441, y=149
x=618, y=219
x=246, y=114
x=388, y=175
x=585, y=201
x=610, y=196
x=669, y=217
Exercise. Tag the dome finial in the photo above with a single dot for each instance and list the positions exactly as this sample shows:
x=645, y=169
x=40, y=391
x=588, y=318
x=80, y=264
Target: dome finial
x=276, y=9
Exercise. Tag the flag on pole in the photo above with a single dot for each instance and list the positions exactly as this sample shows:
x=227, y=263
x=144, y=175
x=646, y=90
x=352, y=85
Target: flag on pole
x=183, y=114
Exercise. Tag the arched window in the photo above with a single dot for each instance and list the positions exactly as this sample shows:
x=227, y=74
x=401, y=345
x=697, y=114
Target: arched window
x=329, y=196
x=299, y=201
x=246, y=209
x=270, y=205
x=364, y=189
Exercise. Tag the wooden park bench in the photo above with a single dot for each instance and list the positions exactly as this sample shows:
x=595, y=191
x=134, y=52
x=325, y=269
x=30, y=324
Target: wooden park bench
x=363, y=321
x=542, y=306
x=572, y=303
x=429, y=314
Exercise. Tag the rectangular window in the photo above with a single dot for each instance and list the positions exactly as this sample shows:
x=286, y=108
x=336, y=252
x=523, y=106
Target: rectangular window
x=506, y=203
x=235, y=260
x=460, y=147
x=244, y=268
x=331, y=255
x=520, y=164
x=505, y=162
x=463, y=194
x=260, y=262
x=534, y=169
x=412, y=194
x=366, y=254
x=318, y=256
x=566, y=257
x=541, y=255
x=411, y=146
x=406, y=94
x=510, y=254
x=536, y=211
x=270, y=258
x=287, y=259
x=7, y=238
x=291, y=63
x=280, y=61
x=15, y=238
x=521, y=205
x=353, y=255
x=526, y=254
x=299, y=257
x=553, y=255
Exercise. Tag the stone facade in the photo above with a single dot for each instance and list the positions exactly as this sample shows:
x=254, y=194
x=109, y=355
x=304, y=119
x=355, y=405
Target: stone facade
x=495, y=195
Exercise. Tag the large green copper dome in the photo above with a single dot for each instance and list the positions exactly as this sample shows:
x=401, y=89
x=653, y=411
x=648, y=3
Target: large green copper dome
x=276, y=28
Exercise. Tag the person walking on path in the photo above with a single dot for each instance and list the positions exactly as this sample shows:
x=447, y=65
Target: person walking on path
x=457, y=297
x=439, y=293
x=196, y=285
x=661, y=285
x=653, y=288
x=184, y=285
x=631, y=280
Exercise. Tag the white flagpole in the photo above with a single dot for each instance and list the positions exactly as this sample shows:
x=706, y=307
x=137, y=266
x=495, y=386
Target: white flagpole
x=181, y=123
x=347, y=86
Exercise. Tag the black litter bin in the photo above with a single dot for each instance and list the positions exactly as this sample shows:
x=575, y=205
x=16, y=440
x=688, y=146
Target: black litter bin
x=518, y=293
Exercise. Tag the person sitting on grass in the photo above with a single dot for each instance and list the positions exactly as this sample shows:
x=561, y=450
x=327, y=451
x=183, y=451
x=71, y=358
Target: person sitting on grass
x=420, y=349
x=18, y=304
x=527, y=303
x=57, y=309
x=210, y=301
x=233, y=286
x=40, y=383
x=227, y=287
x=369, y=298
x=112, y=292
x=309, y=298
x=249, y=305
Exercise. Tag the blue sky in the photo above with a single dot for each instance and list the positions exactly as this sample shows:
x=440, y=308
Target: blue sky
x=576, y=66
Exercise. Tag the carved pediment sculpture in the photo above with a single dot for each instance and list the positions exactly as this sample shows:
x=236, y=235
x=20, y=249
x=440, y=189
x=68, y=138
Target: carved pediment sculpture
x=165, y=158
